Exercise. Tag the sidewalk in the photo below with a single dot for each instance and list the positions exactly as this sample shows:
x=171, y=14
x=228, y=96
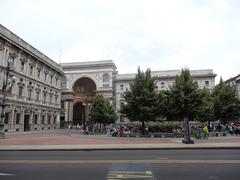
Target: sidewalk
x=75, y=140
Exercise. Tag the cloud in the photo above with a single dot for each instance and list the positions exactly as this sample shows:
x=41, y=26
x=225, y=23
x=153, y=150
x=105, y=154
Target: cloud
x=157, y=34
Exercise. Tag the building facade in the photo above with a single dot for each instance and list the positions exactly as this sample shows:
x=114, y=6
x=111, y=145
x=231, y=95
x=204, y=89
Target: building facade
x=235, y=81
x=84, y=80
x=34, y=88
x=42, y=94
x=165, y=79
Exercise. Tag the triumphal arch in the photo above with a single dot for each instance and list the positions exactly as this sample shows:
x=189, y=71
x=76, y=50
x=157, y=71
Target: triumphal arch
x=83, y=81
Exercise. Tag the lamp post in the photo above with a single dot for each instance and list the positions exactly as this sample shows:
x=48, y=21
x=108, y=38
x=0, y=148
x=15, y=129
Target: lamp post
x=4, y=90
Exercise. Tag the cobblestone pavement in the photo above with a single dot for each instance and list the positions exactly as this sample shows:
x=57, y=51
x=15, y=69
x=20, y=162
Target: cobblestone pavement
x=76, y=139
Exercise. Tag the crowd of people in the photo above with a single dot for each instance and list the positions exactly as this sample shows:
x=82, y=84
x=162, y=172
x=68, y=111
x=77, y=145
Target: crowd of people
x=198, y=130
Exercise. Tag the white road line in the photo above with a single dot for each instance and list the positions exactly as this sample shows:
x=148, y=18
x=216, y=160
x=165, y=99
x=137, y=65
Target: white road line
x=4, y=174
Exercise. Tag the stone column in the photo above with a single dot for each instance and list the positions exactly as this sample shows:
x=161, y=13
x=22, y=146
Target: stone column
x=31, y=121
x=71, y=112
x=12, y=118
x=22, y=119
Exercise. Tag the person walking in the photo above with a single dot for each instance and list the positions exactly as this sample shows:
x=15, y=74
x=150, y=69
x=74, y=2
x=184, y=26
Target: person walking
x=205, y=132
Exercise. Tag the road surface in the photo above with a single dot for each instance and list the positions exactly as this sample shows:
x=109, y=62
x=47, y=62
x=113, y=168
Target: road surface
x=121, y=164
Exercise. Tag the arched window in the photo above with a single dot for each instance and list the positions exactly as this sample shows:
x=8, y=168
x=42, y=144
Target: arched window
x=105, y=80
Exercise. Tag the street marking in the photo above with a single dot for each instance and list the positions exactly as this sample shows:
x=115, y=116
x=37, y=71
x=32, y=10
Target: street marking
x=129, y=175
x=4, y=174
x=148, y=161
x=162, y=158
x=130, y=171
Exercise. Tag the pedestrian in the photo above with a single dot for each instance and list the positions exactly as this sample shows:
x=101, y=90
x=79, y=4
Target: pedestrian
x=85, y=130
x=205, y=132
x=121, y=132
x=108, y=131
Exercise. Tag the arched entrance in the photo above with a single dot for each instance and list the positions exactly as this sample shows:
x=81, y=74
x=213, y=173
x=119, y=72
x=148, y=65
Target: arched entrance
x=84, y=93
x=78, y=113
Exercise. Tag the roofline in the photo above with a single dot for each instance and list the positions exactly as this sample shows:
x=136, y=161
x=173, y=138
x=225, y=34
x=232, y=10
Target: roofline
x=231, y=79
x=88, y=64
x=23, y=45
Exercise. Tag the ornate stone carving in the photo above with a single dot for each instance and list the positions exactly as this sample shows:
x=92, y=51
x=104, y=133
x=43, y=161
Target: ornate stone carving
x=12, y=55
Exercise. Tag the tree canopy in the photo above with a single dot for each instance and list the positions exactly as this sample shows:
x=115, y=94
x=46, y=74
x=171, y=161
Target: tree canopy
x=205, y=113
x=183, y=98
x=102, y=111
x=141, y=102
x=226, y=104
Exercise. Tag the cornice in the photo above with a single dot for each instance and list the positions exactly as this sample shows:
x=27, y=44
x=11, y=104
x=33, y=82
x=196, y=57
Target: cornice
x=13, y=39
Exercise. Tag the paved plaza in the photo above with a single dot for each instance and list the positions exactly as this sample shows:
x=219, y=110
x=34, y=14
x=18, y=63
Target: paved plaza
x=75, y=140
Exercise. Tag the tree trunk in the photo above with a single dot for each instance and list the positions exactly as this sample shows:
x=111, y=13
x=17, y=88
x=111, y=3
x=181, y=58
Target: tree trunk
x=187, y=139
x=143, y=127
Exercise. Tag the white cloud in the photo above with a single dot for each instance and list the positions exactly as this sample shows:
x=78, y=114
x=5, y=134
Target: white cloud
x=148, y=33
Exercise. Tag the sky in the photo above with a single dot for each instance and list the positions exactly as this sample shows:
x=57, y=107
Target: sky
x=155, y=34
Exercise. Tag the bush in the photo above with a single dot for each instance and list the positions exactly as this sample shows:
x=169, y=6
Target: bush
x=165, y=127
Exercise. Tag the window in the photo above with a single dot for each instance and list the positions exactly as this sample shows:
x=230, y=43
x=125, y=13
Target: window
x=20, y=88
x=162, y=85
x=43, y=119
x=54, y=120
x=63, y=82
x=20, y=91
x=121, y=87
x=10, y=85
x=37, y=95
x=18, y=118
x=45, y=76
x=56, y=81
x=30, y=90
x=29, y=94
x=31, y=70
x=206, y=83
x=56, y=99
x=49, y=119
x=22, y=66
x=44, y=97
x=51, y=78
x=38, y=73
x=6, y=118
x=106, y=80
x=35, y=118
x=50, y=99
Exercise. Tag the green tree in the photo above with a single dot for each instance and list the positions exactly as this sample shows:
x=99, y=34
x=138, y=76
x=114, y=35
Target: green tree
x=226, y=103
x=205, y=113
x=111, y=115
x=184, y=101
x=141, y=102
x=102, y=111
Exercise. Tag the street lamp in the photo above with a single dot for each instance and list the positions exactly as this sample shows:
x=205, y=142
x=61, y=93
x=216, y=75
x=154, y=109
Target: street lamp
x=6, y=85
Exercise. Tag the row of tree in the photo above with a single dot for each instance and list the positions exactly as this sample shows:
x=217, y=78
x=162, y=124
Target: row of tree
x=184, y=100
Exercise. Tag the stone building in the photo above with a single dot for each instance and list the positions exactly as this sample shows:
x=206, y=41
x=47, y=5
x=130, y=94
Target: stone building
x=236, y=82
x=33, y=95
x=44, y=93
x=84, y=80
x=165, y=79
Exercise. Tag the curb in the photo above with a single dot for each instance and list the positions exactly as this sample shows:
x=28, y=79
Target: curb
x=117, y=148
